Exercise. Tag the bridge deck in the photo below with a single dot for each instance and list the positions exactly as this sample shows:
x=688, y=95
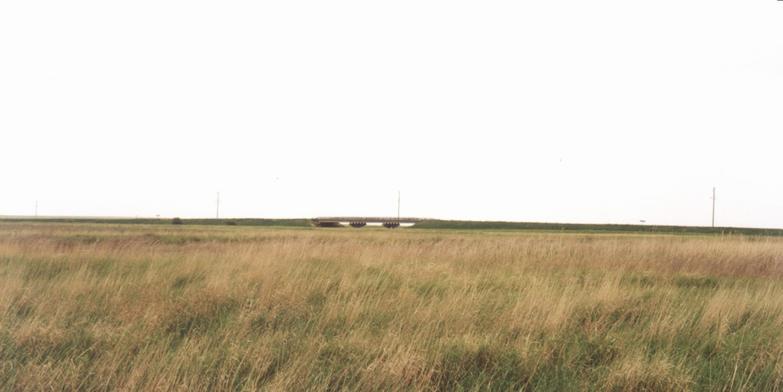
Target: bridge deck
x=364, y=219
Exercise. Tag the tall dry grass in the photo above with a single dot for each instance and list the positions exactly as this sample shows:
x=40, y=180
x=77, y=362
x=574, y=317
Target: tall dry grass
x=102, y=307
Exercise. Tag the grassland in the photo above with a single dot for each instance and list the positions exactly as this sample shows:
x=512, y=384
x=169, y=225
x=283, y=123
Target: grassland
x=141, y=307
x=431, y=224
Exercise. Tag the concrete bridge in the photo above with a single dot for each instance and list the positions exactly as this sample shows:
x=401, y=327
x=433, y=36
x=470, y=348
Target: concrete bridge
x=361, y=221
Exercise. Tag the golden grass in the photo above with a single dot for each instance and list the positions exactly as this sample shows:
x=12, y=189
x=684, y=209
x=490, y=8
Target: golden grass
x=99, y=307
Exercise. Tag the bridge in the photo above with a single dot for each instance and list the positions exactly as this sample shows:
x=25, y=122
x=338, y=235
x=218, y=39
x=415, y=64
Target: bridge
x=361, y=221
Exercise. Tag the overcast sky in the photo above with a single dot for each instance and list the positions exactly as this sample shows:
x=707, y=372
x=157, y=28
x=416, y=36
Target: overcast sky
x=570, y=111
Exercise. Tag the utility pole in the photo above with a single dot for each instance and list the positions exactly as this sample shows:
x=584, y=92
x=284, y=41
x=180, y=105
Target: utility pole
x=398, y=206
x=713, y=207
x=217, y=207
x=36, y=208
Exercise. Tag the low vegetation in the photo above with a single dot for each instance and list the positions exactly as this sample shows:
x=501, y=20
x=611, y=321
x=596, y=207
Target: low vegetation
x=148, y=307
x=432, y=224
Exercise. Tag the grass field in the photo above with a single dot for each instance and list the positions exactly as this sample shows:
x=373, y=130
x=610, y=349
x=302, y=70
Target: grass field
x=141, y=307
x=431, y=224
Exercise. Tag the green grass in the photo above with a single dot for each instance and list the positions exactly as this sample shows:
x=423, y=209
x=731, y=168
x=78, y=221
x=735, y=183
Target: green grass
x=592, y=228
x=434, y=224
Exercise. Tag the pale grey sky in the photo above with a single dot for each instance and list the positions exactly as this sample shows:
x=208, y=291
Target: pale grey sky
x=571, y=111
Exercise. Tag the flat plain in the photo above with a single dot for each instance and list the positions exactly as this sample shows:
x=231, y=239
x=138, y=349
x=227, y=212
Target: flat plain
x=157, y=307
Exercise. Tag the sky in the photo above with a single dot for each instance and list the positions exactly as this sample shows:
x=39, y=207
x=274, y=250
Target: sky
x=608, y=111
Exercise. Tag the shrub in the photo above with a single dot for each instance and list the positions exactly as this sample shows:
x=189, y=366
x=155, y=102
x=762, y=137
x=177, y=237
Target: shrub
x=176, y=221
